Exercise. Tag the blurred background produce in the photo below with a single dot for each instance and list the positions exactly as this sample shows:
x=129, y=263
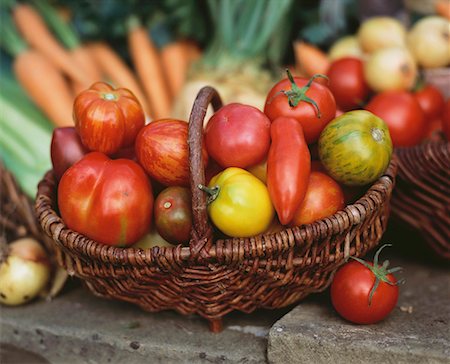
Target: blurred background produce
x=373, y=51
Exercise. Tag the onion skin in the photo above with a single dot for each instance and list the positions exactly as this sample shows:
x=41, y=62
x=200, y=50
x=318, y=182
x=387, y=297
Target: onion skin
x=381, y=32
x=25, y=272
x=429, y=42
x=390, y=69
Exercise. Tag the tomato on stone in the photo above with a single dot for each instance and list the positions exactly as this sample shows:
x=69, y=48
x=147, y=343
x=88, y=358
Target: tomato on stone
x=364, y=293
x=310, y=103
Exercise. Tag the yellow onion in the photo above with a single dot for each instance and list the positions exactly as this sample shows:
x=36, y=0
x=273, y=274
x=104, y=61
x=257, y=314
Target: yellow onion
x=429, y=42
x=24, y=273
x=347, y=46
x=381, y=32
x=390, y=69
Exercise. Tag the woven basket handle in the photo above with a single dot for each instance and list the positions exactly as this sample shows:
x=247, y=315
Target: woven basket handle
x=201, y=233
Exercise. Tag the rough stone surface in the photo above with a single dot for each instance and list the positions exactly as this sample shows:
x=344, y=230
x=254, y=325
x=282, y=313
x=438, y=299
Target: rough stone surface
x=418, y=330
x=77, y=327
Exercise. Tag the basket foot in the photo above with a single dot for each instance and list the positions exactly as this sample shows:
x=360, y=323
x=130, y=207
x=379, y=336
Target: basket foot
x=215, y=325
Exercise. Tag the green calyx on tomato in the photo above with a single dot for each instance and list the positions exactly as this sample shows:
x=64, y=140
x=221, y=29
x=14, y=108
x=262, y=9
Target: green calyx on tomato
x=380, y=272
x=212, y=192
x=297, y=94
x=109, y=96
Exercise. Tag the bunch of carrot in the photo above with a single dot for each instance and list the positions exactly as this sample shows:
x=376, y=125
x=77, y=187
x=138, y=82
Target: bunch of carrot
x=52, y=65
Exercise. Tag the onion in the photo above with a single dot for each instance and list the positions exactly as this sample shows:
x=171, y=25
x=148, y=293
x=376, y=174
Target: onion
x=347, y=46
x=429, y=42
x=24, y=273
x=390, y=69
x=381, y=32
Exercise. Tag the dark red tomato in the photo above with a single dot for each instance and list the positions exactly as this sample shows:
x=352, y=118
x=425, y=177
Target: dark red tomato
x=238, y=136
x=107, y=119
x=357, y=298
x=310, y=103
x=431, y=101
x=446, y=119
x=173, y=214
x=403, y=115
x=109, y=201
x=66, y=149
x=347, y=83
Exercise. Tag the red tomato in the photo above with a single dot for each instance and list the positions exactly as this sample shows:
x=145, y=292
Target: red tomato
x=109, y=201
x=323, y=198
x=357, y=298
x=173, y=214
x=107, y=119
x=446, y=119
x=66, y=149
x=238, y=136
x=347, y=83
x=303, y=94
x=403, y=115
x=431, y=101
x=288, y=167
x=162, y=149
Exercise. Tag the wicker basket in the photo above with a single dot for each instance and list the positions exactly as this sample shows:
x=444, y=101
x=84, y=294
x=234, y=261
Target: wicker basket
x=422, y=195
x=212, y=277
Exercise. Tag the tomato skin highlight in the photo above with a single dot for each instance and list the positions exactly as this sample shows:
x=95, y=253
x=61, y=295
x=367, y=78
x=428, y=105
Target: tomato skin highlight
x=109, y=201
x=107, y=119
x=350, y=292
x=277, y=105
x=403, y=115
x=238, y=135
x=288, y=167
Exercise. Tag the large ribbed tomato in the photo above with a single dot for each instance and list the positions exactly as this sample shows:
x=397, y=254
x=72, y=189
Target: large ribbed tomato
x=109, y=201
x=107, y=119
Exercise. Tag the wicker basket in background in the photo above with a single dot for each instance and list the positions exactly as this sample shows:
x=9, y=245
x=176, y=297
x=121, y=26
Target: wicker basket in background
x=422, y=195
x=212, y=277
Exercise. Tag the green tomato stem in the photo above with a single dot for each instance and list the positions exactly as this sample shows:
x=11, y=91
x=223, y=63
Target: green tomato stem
x=212, y=192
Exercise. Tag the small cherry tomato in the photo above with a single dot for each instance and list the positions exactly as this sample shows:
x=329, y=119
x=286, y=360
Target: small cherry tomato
x=446, y=120
x=364, y=293
x=309, y=102
x=431, y=101
x=402, y=113
x=347, y=83
x=107, y=119
x=238, y=135
x=173, y=214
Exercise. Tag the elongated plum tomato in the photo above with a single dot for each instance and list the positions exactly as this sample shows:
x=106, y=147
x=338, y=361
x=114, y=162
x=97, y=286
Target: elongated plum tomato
x=162, y=149
x=310, y=103
x=403, y=115
x=107, y=119
x=347, y=82
x=109, y=201
x=238, y=136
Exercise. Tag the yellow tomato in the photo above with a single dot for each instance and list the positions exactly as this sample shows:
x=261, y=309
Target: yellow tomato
x=259, y=171
x=239, y=203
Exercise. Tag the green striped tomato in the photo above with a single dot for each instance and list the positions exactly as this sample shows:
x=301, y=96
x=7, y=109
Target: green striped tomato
x=355, y=148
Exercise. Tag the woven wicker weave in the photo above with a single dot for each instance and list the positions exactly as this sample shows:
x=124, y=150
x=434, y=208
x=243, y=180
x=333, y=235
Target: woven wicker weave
x=422, y=195
x=213, y=277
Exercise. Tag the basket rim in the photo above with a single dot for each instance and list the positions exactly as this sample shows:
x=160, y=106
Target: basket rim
x=238, y=248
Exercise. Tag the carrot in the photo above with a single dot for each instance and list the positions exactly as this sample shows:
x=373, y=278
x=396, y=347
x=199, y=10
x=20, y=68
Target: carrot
x=36, y=33
x=84, y=57
x=192, y=49
x=442, y=8
x=117, y=71
x=148, y=66
x=45, y=85
x=175, y=59
x=310, y=59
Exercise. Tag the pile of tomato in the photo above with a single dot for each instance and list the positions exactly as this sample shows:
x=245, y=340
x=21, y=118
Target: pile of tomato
x=291, y=164
x=412, y=116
